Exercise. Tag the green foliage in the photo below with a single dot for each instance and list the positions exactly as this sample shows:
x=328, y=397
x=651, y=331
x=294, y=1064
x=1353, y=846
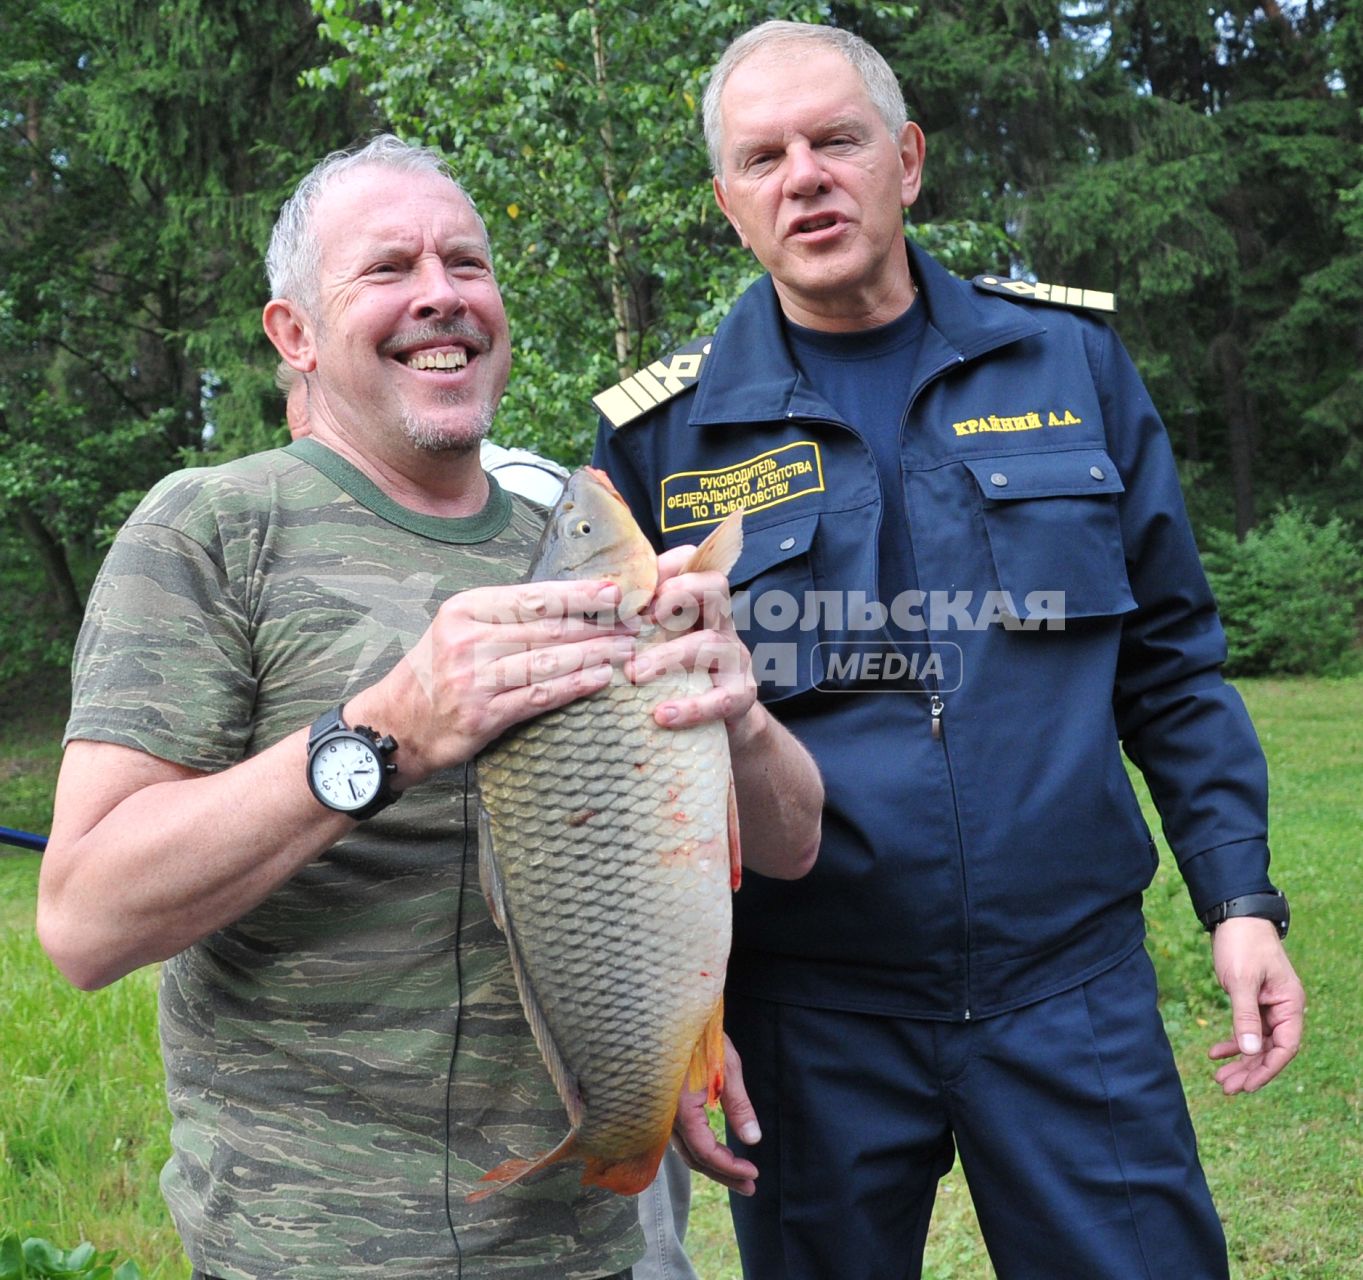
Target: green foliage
x=575, y=126
x=30, y=754
x=1219, y=145
x=1289, y=595
x=35, y=1258
x=1204, y=162
x=141, y=161
x=36, y=637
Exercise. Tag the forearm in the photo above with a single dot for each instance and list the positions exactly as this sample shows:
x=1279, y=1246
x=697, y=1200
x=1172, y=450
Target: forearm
x=174, y=858
x=780, y=796
x=148, y=856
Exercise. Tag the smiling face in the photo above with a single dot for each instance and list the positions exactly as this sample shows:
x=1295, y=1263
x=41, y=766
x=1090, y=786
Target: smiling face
x=408, y=335
x=815, y=185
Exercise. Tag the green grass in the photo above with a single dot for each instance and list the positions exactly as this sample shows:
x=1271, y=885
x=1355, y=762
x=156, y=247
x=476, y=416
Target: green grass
x=84, y=1128
x=30, y=750
x=83, y=1121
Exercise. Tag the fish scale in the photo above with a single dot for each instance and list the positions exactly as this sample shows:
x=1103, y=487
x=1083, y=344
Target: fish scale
x=609, y=911
x=605, y=854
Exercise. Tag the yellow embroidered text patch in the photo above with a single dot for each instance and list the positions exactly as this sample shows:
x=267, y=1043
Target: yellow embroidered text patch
x=705, y=497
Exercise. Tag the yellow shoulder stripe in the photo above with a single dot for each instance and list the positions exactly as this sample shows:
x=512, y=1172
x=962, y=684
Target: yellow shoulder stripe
x=1058, y=295
x=654, y=385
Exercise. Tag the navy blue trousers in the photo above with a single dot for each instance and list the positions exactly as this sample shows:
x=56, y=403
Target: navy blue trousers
x=1068, y=1114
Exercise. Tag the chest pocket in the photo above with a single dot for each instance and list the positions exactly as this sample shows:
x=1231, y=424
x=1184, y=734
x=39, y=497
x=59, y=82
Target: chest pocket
x=1054, y=532
x=773, y=585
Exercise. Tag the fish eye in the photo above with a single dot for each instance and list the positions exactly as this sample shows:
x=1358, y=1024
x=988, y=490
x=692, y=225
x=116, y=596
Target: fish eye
x=582, y=526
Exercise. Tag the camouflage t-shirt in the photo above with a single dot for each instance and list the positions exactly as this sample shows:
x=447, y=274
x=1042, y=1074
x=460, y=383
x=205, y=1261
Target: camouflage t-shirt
x=309, y=1045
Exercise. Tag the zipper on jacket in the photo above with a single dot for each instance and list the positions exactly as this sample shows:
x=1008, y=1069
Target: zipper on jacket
x=937, y=710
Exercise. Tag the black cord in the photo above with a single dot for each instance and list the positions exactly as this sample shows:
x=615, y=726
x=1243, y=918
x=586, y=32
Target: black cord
x=458, y=1024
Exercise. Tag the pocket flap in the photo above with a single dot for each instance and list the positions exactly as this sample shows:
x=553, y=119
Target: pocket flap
x=769, y=546
x=1068, y=474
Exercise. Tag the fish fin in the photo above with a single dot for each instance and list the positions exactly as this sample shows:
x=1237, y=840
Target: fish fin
x=488, y=874
x=564, y=1077
x=625, y=1177
x=565, y=1080
x=721, y=549
x=707, y=1058
x=735, y=852
x=515, y=1169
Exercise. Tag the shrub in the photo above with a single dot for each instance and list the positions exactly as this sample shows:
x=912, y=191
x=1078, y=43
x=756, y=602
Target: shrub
x=1289, y=595
x=36, y=1258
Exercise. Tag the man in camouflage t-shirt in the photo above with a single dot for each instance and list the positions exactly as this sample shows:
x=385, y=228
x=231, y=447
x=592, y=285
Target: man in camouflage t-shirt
x=345, y=1052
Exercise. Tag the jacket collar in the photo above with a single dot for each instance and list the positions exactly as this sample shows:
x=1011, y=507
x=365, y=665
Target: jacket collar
x=751, y=376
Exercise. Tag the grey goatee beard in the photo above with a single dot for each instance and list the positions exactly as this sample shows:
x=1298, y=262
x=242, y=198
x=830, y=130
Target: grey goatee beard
x=433, y=437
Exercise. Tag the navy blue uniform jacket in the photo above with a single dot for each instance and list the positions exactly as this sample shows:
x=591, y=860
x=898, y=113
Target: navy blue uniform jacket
x=999, y=858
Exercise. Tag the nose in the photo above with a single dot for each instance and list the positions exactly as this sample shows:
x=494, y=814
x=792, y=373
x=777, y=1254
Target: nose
x=805, y=171
x=436, y=293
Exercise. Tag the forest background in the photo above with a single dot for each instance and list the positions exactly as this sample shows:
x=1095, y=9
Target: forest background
x=1202, y=161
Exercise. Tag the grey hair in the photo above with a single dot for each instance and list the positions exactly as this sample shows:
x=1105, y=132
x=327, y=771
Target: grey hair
x=882, y=86
x=294, y=259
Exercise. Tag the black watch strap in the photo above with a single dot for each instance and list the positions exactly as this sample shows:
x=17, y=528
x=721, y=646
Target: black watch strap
x=330, y=719
x=1270, y=905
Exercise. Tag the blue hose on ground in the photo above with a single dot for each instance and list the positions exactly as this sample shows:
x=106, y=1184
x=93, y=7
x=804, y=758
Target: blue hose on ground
x=22, y=839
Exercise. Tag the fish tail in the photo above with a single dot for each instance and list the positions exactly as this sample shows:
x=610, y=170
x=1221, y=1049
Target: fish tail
x=720, y=551
x=515, y=1169
x=625, y=1177
x=707, y=1058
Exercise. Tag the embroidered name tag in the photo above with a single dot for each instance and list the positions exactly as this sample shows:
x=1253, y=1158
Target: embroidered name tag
x=705, y=497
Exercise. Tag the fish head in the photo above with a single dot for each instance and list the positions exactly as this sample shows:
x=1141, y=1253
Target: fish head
x=592, y=534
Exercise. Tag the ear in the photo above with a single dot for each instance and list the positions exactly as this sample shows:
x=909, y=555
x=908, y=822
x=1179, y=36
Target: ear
x=724, y=209
x=287, y=325
x=911, y=150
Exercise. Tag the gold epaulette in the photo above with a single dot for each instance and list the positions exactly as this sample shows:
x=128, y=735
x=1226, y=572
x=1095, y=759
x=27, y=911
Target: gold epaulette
x=652, y=386
x=1058, y=295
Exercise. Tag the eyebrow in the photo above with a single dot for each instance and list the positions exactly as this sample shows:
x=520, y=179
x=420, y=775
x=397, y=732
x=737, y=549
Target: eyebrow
x=402, y=242
x=743, y=147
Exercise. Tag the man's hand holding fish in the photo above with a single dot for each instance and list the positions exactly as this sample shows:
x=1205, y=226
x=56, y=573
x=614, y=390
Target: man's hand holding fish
x=609, y=851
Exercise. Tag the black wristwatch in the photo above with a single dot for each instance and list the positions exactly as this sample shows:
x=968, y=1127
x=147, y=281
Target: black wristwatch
x=349, y=769
x=1263, y=906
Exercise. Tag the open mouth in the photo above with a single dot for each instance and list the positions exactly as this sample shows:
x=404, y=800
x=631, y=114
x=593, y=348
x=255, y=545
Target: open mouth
x=817, y=222
x=444, y=358
x=445, y=348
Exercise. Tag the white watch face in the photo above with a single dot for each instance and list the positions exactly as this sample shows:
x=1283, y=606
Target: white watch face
x=348, y=773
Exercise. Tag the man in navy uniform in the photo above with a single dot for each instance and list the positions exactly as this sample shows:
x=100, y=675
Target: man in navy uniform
x=970, y=584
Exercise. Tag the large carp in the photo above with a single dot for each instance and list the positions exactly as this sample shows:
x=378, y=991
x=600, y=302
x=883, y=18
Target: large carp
x=608, y=852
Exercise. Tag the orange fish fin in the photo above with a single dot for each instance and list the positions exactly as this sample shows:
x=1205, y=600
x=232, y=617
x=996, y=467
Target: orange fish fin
x=720, y=551
x=515, y=1169
x=707, y=1058
x=735, y=852
x=625, y=1177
